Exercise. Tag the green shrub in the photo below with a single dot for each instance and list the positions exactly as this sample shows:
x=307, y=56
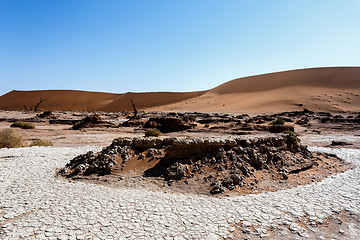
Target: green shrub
x=22, y=125
x=40, y=142
x=154, y=132
x=9, y=139
x=278, y=121
x=290, y=132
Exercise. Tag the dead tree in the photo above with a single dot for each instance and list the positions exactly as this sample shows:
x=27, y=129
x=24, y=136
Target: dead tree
x=38, y=104
x=25, y=108
x=134, y=107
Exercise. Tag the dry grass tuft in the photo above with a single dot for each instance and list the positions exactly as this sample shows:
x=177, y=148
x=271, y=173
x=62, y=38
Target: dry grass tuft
x=22, y=125
x=278, y=121
x=9, y=139
x=40, y=142
x=152, y=132
x=289, y=132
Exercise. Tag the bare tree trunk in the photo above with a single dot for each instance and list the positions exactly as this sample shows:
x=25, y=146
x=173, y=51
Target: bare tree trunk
x=134, y=107
x=38, y=104
x=25, y=108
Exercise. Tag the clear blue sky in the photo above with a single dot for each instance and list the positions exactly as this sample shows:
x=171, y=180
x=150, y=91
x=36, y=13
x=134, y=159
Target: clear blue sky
x=173, y=45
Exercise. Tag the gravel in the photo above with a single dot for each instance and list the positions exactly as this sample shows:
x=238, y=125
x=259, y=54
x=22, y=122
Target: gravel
x=34, y=204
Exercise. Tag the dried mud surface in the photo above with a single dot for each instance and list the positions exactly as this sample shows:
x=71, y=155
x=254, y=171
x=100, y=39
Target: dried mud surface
x=319, y=203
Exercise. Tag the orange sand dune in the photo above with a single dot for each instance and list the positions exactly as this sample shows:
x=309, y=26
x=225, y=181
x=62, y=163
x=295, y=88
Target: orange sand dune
x=64, y=100
x=334, y=89
x=147, y=100
x=335, y=77
x=61, y=100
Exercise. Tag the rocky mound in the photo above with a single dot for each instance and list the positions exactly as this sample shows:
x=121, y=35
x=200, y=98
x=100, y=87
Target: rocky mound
x=91, y=121
x=221, y=163
x=170, y=124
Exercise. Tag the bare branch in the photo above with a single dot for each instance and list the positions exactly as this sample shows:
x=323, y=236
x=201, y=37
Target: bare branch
x=134, y=107
x=38, y=104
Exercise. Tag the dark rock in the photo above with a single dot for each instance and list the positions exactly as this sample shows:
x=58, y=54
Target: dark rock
x=248, y=127
x=168, y=124
x=218, y=188
x=245, y=170
x=63, y=121
x=133, y=122
x=303, y=121
x=227, y=182
x=46, y=114
x=89, y=163
x=208, y=120
x=170, y=182
x=325, y=120
x=299, y=167
x=236, y=179
x=278, y=128
x=340, y=143
x=327, y=114
x=91, y=121
x=257, y=161
x=293, y=143
x=176, y=171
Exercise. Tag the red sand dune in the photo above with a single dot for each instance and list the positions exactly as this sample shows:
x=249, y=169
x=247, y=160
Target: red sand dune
x=147, y=100
x=321, y=89
x=56, y=100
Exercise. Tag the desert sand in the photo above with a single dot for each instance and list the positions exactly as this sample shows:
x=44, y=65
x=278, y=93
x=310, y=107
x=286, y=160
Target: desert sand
x=335, y=89
x=299, y=202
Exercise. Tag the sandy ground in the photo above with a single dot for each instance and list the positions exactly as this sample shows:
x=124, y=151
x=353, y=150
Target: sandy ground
x=292, y=98
x=62, y=136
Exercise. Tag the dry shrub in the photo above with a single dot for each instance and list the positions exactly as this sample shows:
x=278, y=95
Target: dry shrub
x=22, y=125
x=152, y=132
x=9, y=139
x=278, y=121
x=290, y=132
x=40, y=142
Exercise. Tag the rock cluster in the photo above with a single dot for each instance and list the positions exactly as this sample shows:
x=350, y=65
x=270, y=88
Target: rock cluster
x=46, y=114
x=169, y=124
x=90, y=163
x=133, y=122
x=91, y=121
x=222, y=162
x=276, y=128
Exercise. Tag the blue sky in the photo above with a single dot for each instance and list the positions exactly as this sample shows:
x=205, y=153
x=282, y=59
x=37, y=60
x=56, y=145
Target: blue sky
x=174, y=45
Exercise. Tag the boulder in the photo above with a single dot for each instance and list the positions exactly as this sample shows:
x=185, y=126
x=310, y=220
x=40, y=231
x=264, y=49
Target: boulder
x=91, y=121
x=133, y=122
x=46, y=114
x=339, y=143
x=277, y=128
x=176, y=171
x=168, y=124
x=218, y=188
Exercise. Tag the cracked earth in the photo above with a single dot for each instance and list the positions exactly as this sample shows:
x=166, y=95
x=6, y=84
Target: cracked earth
x=34, y=204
